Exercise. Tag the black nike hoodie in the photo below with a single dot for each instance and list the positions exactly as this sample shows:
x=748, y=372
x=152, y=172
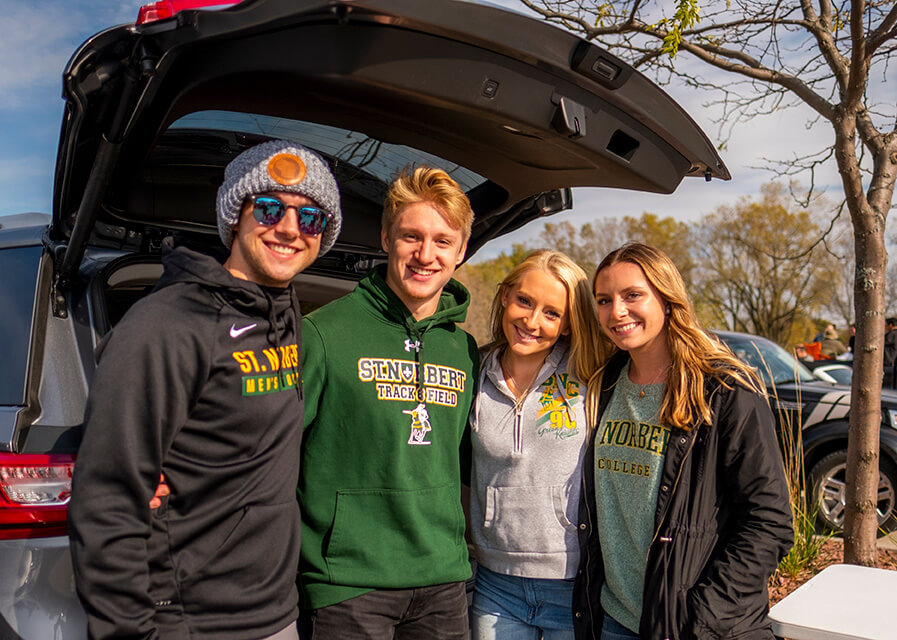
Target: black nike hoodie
x=198, y=381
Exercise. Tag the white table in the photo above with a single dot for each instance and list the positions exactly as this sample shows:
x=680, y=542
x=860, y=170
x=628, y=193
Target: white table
x=841, y=602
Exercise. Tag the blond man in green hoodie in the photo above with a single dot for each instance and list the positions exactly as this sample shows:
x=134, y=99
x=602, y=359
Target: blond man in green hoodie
x=389, y=379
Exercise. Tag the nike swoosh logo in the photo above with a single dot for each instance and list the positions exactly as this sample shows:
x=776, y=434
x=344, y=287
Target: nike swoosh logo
x=236, y=333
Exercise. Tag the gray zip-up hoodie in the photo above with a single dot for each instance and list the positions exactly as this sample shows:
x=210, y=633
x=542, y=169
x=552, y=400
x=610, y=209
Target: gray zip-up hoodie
x=525, y=473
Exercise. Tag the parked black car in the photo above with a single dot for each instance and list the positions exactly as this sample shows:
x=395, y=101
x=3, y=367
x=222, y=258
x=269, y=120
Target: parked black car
x=821, y=410
x=831, y=371
x=515, y=109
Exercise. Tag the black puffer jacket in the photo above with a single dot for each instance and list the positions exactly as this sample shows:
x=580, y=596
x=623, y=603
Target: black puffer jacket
x=722, y=523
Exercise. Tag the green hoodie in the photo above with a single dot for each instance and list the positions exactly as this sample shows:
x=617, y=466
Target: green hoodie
x=379, y=484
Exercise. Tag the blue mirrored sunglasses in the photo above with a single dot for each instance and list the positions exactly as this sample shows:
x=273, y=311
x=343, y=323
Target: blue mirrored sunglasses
x=269, y=210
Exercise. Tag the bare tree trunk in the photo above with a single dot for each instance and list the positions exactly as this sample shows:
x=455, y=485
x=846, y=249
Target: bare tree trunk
x=860, y=522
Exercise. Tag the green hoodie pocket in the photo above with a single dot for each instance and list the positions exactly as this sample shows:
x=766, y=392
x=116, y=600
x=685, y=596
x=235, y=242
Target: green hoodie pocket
x=386, y=538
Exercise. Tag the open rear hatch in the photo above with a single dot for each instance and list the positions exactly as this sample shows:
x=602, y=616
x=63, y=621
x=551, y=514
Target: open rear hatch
x=517, y=109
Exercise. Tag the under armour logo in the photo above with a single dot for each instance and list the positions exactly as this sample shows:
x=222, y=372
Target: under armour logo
x=412, y=344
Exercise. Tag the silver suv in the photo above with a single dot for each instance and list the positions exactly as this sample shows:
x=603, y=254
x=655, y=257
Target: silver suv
x=516, y=110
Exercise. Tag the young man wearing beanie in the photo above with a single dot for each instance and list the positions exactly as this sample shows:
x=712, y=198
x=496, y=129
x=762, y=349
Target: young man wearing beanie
x=388, y=386
x=200, y=382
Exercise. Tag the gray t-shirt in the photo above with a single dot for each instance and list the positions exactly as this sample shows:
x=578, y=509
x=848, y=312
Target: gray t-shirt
x=630, y=446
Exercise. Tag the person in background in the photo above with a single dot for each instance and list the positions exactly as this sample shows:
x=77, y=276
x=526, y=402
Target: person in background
x=200, y=382
x=685, y=510
x=800, y=352
x=851, y=341
x=819, y=337
x=831, y=345
x=528, y=429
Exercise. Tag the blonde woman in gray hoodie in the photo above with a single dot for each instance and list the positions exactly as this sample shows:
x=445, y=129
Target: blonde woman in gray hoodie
x=528, y=430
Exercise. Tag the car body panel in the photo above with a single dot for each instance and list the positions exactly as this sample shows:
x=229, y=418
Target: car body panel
x=837, y=373
x=821, y=409
x=37, y=593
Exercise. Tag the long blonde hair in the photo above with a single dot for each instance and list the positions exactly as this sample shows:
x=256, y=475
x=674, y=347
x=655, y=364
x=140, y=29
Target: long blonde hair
x=695, y=354
x=581, y=311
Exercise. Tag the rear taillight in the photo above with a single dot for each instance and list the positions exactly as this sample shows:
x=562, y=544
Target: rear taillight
x=165, y=9
x=34, y=494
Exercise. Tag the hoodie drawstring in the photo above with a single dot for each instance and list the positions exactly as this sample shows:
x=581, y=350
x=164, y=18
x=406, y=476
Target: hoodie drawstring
x=274, y=337
x=416, y=343
x=297, y=364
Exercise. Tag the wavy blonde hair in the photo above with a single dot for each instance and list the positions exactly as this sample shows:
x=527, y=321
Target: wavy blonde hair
x=582, y=315
x=696, y=355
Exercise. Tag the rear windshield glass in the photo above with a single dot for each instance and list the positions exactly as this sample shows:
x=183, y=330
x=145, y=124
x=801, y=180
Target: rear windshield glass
x=17, y=286
x=771, y=362
x=382, y=159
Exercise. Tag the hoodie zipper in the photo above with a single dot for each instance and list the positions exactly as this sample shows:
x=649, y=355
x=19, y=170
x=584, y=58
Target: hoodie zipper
x=517, y=430
x=538, y=383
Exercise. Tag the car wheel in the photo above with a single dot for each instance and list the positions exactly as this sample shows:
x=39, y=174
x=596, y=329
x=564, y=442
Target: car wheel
x=829, y=482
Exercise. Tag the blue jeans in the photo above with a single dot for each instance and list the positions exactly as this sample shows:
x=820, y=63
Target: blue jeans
x=513, y=608
x=613, y=630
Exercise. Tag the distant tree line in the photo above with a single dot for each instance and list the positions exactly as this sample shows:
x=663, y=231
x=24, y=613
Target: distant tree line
x=761, y=266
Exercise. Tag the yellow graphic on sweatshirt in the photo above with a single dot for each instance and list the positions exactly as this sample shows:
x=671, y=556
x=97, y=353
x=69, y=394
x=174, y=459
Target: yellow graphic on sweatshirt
x=646, y=444
x=642, y=436
x=398, y=380
x=420, y=424
x=557, y=418
x=275, y=369
x=623, y=466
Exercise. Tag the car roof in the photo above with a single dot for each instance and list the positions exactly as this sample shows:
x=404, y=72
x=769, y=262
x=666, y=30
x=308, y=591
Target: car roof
x=737, y=335
x=22, y=229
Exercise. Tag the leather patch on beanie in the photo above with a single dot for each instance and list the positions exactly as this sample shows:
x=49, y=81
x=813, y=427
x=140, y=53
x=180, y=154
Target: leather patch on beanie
x=286, y=169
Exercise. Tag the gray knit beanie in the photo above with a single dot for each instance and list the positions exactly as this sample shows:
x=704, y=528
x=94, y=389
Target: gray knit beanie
x=278, y=165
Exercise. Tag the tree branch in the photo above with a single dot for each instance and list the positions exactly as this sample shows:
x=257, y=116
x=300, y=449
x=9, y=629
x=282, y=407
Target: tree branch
x=822, y=32
x=718, y=57
x=885, y=31
x=868, y=133
x=859, y=64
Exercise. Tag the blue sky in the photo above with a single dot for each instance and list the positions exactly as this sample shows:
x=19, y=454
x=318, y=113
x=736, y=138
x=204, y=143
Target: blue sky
x=40, y=36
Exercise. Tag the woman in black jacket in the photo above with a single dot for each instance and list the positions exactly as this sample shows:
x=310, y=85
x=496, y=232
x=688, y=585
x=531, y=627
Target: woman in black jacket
x=684, y=510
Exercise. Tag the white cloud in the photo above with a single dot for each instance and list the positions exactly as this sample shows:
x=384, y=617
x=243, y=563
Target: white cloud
x=34, y=48
x=39, y=37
